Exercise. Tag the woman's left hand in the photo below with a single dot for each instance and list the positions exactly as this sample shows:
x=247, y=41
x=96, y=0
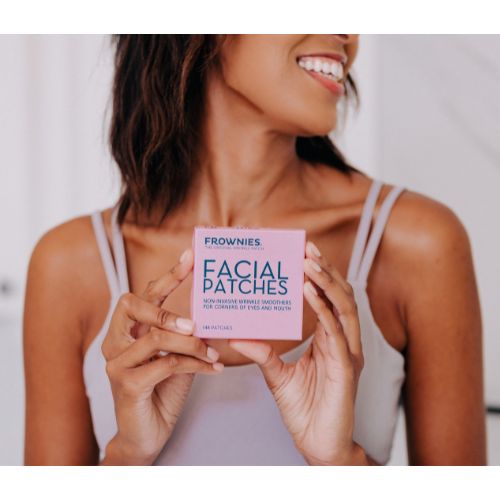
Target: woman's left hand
x=316, y=394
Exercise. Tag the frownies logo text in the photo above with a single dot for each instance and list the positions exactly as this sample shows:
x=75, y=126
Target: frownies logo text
x=223, y=241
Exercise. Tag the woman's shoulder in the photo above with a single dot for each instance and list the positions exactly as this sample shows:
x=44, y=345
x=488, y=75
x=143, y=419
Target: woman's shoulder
x=424, y=255
x=66, y=256
x=421, y=227
x=69, y=240
x=418, y=226
x=425, y=252
x=64, y=244
x=414, y=216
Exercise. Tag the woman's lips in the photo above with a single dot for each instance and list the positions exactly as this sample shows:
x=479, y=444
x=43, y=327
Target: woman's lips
x=331, y=85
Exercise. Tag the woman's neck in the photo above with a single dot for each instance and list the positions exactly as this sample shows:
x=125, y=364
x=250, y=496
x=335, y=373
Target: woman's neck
x=245, y=168
x=238, y=185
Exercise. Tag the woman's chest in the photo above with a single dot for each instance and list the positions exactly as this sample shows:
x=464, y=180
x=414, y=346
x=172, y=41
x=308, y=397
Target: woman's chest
x=149, y=260
x=336, y=245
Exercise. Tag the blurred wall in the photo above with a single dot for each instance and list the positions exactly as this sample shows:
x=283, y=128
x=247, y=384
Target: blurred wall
x=54, y=165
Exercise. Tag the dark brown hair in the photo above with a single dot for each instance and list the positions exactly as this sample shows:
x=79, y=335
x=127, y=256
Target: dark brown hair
x=158, y=88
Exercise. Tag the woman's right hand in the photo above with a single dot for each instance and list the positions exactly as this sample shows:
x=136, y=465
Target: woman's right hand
x=149, y=389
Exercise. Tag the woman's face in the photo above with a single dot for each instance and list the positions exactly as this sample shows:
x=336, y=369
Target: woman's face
x=271, y=73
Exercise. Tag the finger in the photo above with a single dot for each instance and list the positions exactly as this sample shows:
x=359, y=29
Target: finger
x=272, y=366
x=343, y=302
x=334, y=334
x=322, y=348
x=158, y=290
x=136, y=309
x=159, y=340
x=313, y=253
x=147, y=376
x=131, y=309
x=320, y=339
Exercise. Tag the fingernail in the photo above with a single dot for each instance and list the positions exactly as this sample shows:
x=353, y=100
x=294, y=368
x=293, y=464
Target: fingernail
x=183, y=256
x=310, y=287
x=212, y=354
x=218, y=366
x=315, y=249
x=184, y=324
x=315, y=266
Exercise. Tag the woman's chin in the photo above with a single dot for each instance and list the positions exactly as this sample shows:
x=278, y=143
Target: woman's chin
x=322, y=128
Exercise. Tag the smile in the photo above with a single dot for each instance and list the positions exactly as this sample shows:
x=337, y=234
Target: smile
x=328, y=72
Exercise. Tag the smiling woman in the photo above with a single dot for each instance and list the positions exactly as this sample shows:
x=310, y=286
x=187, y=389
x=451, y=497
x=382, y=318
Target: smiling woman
x=232, y=130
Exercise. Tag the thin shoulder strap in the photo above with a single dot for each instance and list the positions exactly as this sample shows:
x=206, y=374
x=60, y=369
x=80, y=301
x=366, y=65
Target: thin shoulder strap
x=104, y=250
x=363, y=228
x=119, y=251
x=376, y=236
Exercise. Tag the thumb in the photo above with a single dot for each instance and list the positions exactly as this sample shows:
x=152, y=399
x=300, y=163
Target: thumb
x=262, y=353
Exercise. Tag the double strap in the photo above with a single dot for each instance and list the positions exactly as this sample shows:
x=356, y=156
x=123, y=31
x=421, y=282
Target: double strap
x=359, y=266
x=362, y=256
x=115, y=269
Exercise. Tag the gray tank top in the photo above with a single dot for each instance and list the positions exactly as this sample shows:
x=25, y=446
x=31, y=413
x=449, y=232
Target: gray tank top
x=231, y=418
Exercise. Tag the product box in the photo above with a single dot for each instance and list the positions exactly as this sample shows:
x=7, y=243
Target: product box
x=248, y=283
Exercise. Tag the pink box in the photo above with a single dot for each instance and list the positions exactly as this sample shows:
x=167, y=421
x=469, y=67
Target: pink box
x=248, y=282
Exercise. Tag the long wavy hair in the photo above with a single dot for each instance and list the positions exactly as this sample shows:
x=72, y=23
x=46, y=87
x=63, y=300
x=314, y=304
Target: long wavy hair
x=157, y=102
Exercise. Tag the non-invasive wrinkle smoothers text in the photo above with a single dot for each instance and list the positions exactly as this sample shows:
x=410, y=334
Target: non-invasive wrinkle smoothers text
x=247, y=283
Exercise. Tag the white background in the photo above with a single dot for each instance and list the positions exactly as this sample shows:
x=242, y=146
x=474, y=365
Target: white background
x=421, y=124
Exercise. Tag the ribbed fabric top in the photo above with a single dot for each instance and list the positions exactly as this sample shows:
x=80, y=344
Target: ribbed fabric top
x=231, y=418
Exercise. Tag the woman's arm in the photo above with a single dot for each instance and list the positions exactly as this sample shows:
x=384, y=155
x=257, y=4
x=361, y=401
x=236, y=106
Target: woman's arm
x=58, y=427
x=443, y=392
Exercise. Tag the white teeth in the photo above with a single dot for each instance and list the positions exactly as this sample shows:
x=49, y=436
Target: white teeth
x=332, y=69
